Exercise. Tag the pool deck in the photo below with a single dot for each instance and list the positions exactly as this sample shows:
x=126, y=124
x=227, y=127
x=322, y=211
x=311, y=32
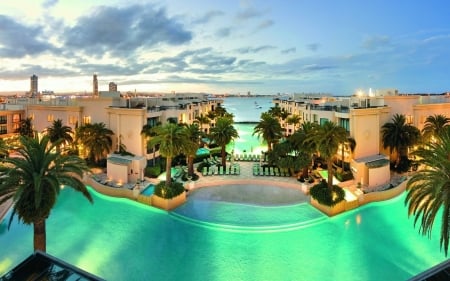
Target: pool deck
x=246, y=177
x=4, y=208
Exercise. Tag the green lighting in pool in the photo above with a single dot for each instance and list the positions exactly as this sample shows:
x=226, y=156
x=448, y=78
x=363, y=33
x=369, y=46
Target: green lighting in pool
x=119, y=239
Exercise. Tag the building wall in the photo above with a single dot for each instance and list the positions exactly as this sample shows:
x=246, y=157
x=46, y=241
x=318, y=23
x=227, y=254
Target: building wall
x=44, y=115
x=127, y=125
x=422, y=111
x=365, y=127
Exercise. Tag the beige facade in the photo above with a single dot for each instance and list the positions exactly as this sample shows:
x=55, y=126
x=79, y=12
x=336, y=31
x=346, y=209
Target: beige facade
x=363, y=116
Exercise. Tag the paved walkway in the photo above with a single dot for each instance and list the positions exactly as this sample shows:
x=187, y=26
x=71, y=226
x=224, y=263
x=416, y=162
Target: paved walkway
x=245, y=176
x=4, y=209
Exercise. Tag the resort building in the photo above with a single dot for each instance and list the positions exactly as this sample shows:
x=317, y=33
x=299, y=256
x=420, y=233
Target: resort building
x=125, y=116
x=363, y=115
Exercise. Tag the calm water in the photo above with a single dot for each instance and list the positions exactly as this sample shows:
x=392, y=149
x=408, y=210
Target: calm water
x=118, y=239
x=247, y=109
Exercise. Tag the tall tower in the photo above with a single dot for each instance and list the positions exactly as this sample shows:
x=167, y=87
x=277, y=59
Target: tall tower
x=33, y=86
x=95, y=89
x=112, y=87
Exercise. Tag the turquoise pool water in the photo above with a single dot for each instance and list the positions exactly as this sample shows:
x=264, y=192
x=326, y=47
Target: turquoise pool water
x=148, y=190
x=118, y=239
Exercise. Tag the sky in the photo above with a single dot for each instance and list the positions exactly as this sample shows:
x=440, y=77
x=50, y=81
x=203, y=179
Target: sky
x=226, y=47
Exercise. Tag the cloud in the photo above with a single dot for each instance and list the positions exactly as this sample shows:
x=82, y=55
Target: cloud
x=123, y=30
x=436, y=38
x=376, y=42
x=206, y=18
x=248, y=13
x=289, y=50
x=223, y=32
x=313, y=46
x=18, y=40
x=49, y=3
x=247, y=50
x=265, y=24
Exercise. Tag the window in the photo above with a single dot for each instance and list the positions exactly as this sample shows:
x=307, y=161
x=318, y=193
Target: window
x=73, y=120
x=16, y=118
x=50, y=118
x=86, y=119
x=3, y=130
x=3, y=119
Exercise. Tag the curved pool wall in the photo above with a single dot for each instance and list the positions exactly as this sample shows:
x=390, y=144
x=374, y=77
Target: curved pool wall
x=119, y=239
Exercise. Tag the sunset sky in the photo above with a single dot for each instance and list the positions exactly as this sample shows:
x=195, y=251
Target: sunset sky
x=262, y=47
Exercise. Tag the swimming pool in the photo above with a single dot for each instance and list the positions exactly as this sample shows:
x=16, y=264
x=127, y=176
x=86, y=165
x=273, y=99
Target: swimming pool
x=148, y=190
x=119, y=239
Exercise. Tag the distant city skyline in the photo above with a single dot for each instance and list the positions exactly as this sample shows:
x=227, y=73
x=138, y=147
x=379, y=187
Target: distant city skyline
x=218, y=47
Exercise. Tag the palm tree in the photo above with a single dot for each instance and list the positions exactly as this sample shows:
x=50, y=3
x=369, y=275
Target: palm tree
x=26, y=127
x=202, y=120
x=269, y=129
x=429, y=188
x=34, y=181
x=289, y=155
x=194, y=135
x=96, y=138
x=301, y=142
x=172, y=140
x=349, y=145
x=434, y=126
x=58, y=131
x=222, y=134
x=398, y=136
x=294, y=120
x=327, y=138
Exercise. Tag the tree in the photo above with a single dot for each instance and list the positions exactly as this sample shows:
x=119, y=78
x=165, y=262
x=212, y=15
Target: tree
x=349, y=145
x=269, y=129
x=172, y=140
x=294, y=120
x=96, y=138
x=398, y=136
x=57, y=131
x=26, y=127
x=222, y=134
x=194, y=135
x=429, y=188
x=434, y=126
x=202, y=120
x=327, y=138
x=287, y=155
x=34, y=179
x=301, y=142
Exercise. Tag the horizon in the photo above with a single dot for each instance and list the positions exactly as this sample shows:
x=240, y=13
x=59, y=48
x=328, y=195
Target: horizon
x=229, y=47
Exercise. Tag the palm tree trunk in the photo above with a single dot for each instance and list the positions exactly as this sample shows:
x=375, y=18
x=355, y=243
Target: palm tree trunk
x=168, y=171
x=305, y=172
x=190, y=165
x=39, y=235
x=330, y=173
x=224, y=156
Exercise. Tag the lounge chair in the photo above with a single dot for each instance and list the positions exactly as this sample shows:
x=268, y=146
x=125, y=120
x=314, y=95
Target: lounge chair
x=276, y=171
x=237, y=170
x=205, y=171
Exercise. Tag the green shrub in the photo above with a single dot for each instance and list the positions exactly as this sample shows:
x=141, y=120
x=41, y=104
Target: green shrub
x=325, y=196
x=152, y=172
x=344, y=176
x=168, y=192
